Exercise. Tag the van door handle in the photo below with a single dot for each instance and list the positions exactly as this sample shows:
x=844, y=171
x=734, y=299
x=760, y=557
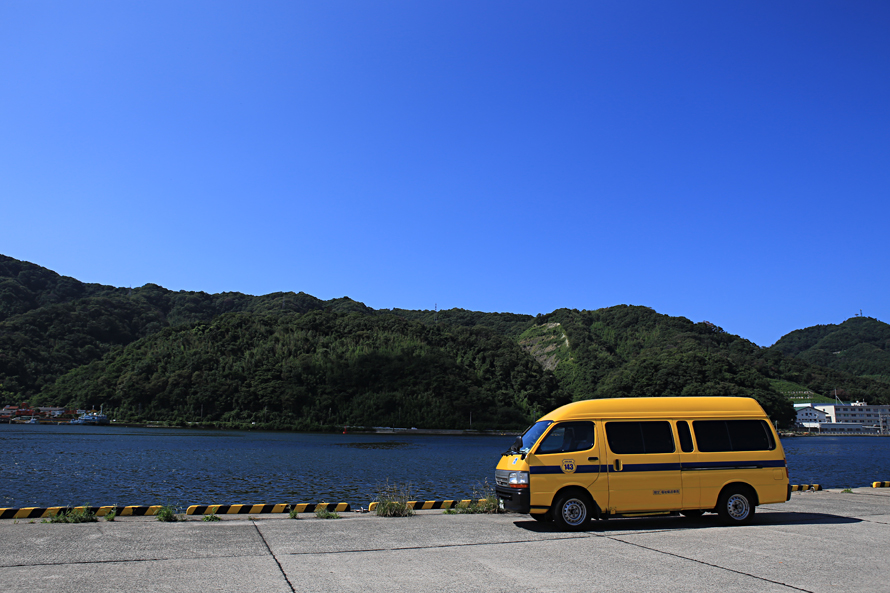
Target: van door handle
x=617, y=465
x=593, y=459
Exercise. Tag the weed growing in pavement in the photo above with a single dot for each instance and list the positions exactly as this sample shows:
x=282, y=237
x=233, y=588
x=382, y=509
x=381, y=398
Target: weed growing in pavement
x=392, y=500
x=292, y=513
x=484, y=501
x=76, y=515
x=847, y=491
x=322, y=512
x=210, y=518
x=167, y=513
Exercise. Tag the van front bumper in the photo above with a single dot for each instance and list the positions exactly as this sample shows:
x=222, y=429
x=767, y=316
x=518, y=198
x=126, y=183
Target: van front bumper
x=516, y=500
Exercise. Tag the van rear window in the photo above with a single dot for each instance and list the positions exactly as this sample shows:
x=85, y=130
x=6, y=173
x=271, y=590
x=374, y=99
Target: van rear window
x=630, y=438
x=712, y=436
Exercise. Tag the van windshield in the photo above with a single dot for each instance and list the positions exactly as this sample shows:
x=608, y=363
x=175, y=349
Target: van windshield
x=534, y=432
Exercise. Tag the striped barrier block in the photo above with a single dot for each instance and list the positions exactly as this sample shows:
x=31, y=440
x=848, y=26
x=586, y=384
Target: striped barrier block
x=880, y=484
x=805, y=487
x=49, y=512
x=255, y=509
x=425, y=505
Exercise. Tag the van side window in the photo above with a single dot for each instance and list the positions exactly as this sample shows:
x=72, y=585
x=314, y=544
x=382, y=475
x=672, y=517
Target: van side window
x=733, y=435
x=629, y=438
x=685, y=436
x=566, y=437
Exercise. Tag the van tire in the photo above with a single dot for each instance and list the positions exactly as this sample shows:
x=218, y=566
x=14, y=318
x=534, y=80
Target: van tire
x=572, y=511
x=736, y=505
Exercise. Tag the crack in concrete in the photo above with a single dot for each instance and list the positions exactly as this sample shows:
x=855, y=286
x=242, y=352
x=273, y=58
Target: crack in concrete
x=707, y=564
x=438, y=546
x=590, y=536
x=271, y=553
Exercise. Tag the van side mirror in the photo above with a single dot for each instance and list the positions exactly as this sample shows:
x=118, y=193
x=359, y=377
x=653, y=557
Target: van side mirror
x=517, y=445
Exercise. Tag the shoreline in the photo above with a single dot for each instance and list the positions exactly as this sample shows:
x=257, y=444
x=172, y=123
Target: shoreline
x=330, y=430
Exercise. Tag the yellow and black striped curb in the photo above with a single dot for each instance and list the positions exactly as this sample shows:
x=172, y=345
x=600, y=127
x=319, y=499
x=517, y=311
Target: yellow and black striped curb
x=425, y=505
x=47, y=512
x=804, y=487
x=255, y=509
x=880, y=484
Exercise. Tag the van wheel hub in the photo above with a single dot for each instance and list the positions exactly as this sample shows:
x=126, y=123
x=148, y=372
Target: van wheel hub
x=574, y=512
x=738, y=507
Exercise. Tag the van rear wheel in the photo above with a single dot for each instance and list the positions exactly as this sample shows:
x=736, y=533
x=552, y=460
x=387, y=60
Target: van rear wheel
x=572, y=511
x=736, y=506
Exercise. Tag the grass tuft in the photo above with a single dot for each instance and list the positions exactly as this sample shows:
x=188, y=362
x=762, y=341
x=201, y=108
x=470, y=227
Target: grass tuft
x=322, y=512
x=392, y=500
x=76, y=515
x=484, y=500
x=167, y=513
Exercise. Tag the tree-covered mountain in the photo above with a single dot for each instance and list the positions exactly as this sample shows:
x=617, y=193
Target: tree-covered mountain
x=50, y=324
x=859, y=346
x=297, y=361
x=319, y=368
x=625, y=351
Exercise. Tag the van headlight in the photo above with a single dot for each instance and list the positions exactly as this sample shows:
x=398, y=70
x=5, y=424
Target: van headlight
x=518, y=480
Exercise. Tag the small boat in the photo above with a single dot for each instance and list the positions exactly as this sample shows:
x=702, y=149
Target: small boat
x=91, y=418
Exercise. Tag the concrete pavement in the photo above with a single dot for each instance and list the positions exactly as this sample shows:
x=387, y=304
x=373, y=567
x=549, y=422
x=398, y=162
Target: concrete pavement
x=819, y=542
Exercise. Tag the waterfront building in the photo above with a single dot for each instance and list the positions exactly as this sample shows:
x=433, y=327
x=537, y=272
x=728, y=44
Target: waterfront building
x=845, y=417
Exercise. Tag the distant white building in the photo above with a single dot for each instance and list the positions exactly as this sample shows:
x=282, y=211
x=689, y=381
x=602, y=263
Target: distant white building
x=810, y=417
x=851, y=417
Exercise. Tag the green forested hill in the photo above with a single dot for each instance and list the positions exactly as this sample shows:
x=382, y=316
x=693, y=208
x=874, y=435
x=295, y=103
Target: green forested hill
x=292, y=360
x=628, y=351
x=508, y=324
x=859, y=345
x=320, y=368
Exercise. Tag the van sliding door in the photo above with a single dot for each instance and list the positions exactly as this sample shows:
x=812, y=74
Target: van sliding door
x=643, y=466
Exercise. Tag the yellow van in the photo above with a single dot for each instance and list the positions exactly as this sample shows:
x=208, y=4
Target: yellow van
x=626, y=457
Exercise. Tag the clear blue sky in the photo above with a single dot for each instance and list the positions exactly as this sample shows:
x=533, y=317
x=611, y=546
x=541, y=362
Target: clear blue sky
x=723, y=161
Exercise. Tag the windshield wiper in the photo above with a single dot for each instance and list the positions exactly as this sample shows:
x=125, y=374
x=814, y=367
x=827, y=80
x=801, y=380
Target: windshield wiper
x=515, y=448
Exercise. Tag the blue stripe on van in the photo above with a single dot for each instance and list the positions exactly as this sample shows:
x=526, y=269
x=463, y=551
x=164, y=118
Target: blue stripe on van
x=591, y=469
x=557, y=469
x=735, y=464
x=659, y=467
x=545, y=469
x=650, y=467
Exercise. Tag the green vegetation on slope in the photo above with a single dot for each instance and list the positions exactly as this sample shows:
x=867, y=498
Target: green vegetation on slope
x=859, y=346
x=631, y=351
x=320, y=368
x=300, y=362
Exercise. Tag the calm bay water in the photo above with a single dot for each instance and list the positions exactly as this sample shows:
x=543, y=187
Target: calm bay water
x=69, y=465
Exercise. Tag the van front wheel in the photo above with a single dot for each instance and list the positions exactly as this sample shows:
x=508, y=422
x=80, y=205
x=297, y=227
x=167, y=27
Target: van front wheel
x=572, y=511
x=736, y=506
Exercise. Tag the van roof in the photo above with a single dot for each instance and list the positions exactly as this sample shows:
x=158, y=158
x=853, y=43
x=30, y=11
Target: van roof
x=658, y=407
